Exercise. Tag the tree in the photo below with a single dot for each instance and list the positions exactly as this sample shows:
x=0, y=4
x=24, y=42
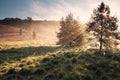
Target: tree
x=103, y=25
x=20, y=31
x=11, y=21
x=69, y=34
x=34, y=35
x=29, y=19
x=30, y=23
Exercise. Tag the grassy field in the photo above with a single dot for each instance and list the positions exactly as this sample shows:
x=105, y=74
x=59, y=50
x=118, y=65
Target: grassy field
x=30, y=62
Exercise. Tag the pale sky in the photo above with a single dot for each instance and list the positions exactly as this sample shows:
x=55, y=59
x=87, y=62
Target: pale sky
x=54, y=9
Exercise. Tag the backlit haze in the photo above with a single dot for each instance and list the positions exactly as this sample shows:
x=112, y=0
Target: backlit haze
x=53, y=9
x=49, y=10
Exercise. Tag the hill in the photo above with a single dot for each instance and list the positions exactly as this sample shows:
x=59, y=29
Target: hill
x=10, y=33
x=45, y=31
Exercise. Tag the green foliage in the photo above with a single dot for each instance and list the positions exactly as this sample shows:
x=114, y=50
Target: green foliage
x=69, y=34
x=104, y=26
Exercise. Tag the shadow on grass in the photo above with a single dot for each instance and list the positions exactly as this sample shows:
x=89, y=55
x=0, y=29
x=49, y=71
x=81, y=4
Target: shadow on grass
x=68, y=66
x=18, y=53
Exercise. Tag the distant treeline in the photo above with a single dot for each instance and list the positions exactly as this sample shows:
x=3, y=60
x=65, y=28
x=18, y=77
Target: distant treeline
x=17, y=22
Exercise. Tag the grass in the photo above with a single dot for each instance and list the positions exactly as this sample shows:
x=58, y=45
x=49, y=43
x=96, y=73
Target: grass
x=19, y=44
x=55, y=63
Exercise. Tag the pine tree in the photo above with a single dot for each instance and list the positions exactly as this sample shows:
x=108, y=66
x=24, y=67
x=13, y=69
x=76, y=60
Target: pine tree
x=103, y=25
x=69, y=34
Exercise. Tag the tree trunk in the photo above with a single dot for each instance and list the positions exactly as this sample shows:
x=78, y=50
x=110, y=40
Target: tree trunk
x=101, y=41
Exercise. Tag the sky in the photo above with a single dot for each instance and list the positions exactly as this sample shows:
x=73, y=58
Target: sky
x=54, y=9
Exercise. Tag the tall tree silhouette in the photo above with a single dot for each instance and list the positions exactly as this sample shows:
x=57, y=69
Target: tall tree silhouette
x=102, y=24
x=69, y=34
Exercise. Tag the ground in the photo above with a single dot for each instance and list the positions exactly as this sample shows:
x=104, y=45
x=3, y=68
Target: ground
x=57, y=63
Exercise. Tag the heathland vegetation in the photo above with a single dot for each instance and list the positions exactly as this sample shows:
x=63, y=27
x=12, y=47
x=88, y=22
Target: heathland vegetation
x=83, y=51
